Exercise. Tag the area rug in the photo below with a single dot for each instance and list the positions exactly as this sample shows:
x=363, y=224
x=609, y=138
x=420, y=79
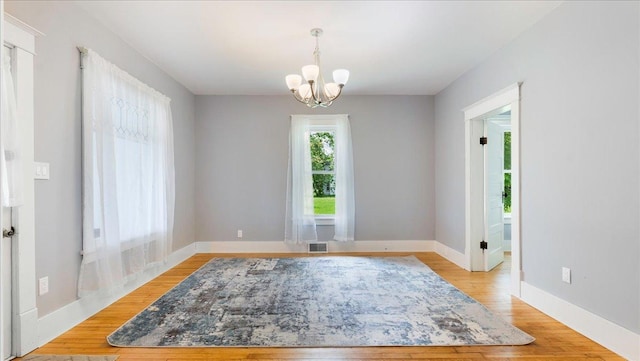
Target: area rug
x=315, y=302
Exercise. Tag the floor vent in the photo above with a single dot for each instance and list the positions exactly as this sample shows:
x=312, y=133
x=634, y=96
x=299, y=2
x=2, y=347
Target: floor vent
x=318, y=247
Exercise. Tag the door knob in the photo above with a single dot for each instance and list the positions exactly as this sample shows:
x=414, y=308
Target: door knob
x=8, y=233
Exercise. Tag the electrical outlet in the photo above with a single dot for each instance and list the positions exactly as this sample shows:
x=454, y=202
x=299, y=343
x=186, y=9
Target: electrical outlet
x=43, y=285
x=239, y=233
x=566, y=275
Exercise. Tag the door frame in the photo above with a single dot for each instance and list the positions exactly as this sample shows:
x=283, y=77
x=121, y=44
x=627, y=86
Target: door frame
x=21, y=38
x=507, y=97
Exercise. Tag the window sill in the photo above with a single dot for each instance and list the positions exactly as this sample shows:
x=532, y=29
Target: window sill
x=325, y=221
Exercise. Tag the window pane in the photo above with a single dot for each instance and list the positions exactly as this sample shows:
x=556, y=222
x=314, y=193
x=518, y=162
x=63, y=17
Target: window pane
x=324, y=206
x=507, y=150
x=322, y=146
x=324, y=190
x=506, y=199
x=324, y=185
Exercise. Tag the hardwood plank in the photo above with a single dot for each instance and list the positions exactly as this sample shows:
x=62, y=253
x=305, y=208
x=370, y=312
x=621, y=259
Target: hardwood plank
x=554, y=341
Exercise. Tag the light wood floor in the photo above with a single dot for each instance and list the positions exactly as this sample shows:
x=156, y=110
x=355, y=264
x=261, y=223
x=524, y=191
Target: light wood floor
x=553, y=340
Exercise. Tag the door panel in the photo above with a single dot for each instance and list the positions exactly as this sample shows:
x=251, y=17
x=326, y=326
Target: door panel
x=494, y=186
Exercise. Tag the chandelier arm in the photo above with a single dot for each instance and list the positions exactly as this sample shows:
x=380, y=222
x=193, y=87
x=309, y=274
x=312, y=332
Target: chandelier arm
x=297, y=97
x=339, y=92
x=316, y=99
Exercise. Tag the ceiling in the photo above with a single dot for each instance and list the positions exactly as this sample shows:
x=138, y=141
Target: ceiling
x=247, y=47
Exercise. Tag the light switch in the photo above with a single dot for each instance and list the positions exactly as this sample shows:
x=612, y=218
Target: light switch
x=41, y=170
x=566, y=275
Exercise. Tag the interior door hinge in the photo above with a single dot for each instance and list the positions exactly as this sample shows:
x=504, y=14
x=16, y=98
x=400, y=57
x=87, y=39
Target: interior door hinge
x=483, y=140
x=483, y=245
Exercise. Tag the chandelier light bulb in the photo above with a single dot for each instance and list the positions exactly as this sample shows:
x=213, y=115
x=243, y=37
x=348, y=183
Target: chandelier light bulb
x=332, y=90
x=313, y=91
x=293, y=81
x=341, y=76
x=310, y=72
x=305, y=91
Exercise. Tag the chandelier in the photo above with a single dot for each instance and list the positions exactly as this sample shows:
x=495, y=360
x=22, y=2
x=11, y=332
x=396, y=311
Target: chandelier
x=315, y=92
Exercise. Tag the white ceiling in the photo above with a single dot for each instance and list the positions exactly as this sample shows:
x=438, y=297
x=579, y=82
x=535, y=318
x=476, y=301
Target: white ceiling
x=247, y=47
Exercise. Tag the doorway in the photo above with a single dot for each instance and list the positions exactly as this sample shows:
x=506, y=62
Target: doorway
x=484, y=198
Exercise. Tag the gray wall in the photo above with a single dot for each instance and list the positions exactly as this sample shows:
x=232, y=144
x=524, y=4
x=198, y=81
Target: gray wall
x=242, y=153
x=580, y=153
x=57, y=137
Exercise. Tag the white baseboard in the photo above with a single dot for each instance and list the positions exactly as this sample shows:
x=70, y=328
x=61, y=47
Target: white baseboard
x=26, y=340
x=614, y=337
x=281, y=247
x=56, y=323
x=457, y=258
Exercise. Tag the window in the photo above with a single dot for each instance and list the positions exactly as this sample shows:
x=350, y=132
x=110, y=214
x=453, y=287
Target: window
x=128, y=176
x=320, y=178
x=506, y=194
x=322, y=147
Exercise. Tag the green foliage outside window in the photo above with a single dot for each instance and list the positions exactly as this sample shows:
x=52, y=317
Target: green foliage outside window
x=507, y=150
x=322, y=144
x=322, y=159
x=507, y=191
x=506, y=199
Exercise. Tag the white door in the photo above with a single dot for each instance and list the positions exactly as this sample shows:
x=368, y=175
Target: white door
x=494, y=186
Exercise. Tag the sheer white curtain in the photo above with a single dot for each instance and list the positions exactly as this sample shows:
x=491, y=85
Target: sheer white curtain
x=345, y=197
x=300, y=224
x=11, y=162
x=128, y=176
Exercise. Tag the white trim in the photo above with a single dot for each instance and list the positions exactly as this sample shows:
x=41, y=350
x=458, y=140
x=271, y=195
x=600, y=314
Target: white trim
x=19, y=34
x=22, y=25
x=516, y=234
x=63, y=319
x=21, y=38
x=24, y=335
x=325, y=220
x=4, y=287
x=492, y=102
x=614, y=337
x=334, y=246
x=320, y=120
x=451, y=255
x=507, y=97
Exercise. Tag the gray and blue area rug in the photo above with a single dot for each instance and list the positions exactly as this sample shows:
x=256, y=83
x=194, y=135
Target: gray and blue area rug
x=315, y=302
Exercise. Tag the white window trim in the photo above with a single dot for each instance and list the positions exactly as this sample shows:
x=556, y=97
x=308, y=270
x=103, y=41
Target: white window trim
x=325, y=220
